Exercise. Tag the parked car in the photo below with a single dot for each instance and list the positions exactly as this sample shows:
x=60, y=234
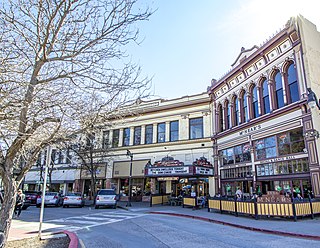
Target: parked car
x=73, y=199
x=32, y=196
x=106, y=197
x=51, y=198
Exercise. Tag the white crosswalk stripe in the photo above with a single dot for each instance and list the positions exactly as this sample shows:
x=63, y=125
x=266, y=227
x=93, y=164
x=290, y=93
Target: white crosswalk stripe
x=76, y=223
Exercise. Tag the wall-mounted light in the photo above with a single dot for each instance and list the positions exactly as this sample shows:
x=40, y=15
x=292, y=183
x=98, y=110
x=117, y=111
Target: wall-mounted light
x=312, y=99
x=312, y=133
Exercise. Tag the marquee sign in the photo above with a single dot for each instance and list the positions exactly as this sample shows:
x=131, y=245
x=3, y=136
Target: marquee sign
x=166, y=171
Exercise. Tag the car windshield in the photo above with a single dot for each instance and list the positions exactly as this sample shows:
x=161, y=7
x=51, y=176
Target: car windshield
x=106, y=192
x=51, y=193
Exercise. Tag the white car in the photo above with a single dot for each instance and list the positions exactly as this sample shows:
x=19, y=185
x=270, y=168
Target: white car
x=51, y=198
x=73, y=199
x=106, y=197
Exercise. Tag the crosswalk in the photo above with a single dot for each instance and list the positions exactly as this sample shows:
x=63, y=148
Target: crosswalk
x=76, y=223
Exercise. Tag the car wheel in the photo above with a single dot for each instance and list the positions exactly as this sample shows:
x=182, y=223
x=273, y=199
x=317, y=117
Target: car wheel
x=38, y=205
x=96, y=207
x=24, y=207
x=64, y=206
x=114, y=206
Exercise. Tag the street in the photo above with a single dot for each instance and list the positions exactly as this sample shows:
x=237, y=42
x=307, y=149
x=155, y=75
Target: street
x=135, y=228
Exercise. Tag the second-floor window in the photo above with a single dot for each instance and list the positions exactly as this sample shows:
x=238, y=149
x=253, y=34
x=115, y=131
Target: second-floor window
x=278, y=90
x=196, y=128
x=161, y=132
x=126, y=137
x=149, y=134
x=174, y=130
x=137, y=136
x=105, y=139
x=115, y=138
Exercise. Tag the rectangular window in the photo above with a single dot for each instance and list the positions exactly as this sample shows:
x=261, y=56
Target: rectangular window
x=291, y=142
x=237, y=154
x=161, y=132
x=174, y=130
x=265, y=148
x=105, y=139
x=115, y=138
x=149, y=134
x=126, y=137
x=137, y=136
x=196, y=128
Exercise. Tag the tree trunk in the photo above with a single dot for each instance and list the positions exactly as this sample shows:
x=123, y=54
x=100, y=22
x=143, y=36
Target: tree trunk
x=7, y=208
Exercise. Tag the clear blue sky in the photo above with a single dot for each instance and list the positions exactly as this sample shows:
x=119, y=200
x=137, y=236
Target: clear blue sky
x=187, y=43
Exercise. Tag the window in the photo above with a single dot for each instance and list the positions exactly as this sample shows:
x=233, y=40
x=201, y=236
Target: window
x=174, y=130
x=105, y=139
x=196, y=128
x=126, y=137
x=239, y=172
x=283, y=167
x=278, y=91
x=254, y=99
x=244, y=108
x=236, y=111
x=220, y=118
x=137, y=136
x=161, y=132
x=266, y=148
x=115, y=138
x=291, y=142
x=265, y=97
x=149, y=134
x=293, y=84
x=237, y=154
x=228, y=116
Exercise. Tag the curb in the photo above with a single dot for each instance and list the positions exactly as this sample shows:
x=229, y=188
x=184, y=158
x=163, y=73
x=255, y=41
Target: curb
x=280, y=233
x=74, y=241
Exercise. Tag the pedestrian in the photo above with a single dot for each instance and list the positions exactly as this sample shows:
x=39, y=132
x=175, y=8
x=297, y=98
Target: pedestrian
x=19, y=203
x=239, y=193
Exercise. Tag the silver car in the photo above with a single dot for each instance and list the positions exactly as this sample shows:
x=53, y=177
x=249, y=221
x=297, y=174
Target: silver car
x=106, y=197
x=51, y=198
x=73, y=199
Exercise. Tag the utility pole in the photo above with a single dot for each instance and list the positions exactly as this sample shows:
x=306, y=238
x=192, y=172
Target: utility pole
x=130, y=154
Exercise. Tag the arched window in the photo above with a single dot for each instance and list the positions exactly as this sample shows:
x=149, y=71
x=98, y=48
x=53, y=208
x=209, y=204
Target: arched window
x=278, y=90
x=293, y=84
x=220, y=118
x=228, y=115
x=244, y=112
x=265, y=97
x=254, y=101
x=236, y=111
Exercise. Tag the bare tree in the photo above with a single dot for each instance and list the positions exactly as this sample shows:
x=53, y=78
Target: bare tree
x=62, y=64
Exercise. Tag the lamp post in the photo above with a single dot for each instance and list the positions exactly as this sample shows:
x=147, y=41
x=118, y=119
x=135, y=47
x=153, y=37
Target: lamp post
x=130, y=154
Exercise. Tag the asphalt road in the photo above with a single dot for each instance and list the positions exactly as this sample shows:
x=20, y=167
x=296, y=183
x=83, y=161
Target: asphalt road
x=121, y=228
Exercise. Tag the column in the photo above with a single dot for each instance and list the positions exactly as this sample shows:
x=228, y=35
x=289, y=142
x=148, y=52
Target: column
x=271, y=95
x=259, y=99
x=155, y=133
x=284, y=87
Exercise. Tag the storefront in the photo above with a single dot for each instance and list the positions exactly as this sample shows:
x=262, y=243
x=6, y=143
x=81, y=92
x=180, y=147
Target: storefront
x=271, y=160
x=170, y=176
x=121, y=176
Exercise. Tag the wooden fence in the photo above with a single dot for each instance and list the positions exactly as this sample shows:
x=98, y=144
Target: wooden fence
x=294, y=209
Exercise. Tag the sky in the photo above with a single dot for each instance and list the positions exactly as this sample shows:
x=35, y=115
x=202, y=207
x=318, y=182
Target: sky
x=186, y=43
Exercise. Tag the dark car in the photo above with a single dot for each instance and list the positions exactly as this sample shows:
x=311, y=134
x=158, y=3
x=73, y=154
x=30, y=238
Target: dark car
x=32, y=196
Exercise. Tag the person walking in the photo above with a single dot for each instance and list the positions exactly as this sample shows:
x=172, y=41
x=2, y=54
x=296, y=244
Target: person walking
x=19, y=203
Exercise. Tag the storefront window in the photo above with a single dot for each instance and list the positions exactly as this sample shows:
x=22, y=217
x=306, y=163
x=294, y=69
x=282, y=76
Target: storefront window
x=237, y=154
x=265, y=148
x=284, y=167
x=291, y=142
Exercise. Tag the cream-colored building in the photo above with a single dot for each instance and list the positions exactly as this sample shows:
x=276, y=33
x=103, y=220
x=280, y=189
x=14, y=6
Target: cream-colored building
x=177, y=131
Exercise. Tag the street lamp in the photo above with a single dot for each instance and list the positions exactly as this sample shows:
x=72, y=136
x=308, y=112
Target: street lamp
x=130, y=154
x=312, y=99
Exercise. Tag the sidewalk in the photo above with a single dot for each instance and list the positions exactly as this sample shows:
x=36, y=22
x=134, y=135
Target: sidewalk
x=303, y=228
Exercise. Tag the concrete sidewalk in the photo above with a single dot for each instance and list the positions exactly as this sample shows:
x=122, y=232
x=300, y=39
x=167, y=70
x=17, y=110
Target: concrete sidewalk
x=303, y=228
